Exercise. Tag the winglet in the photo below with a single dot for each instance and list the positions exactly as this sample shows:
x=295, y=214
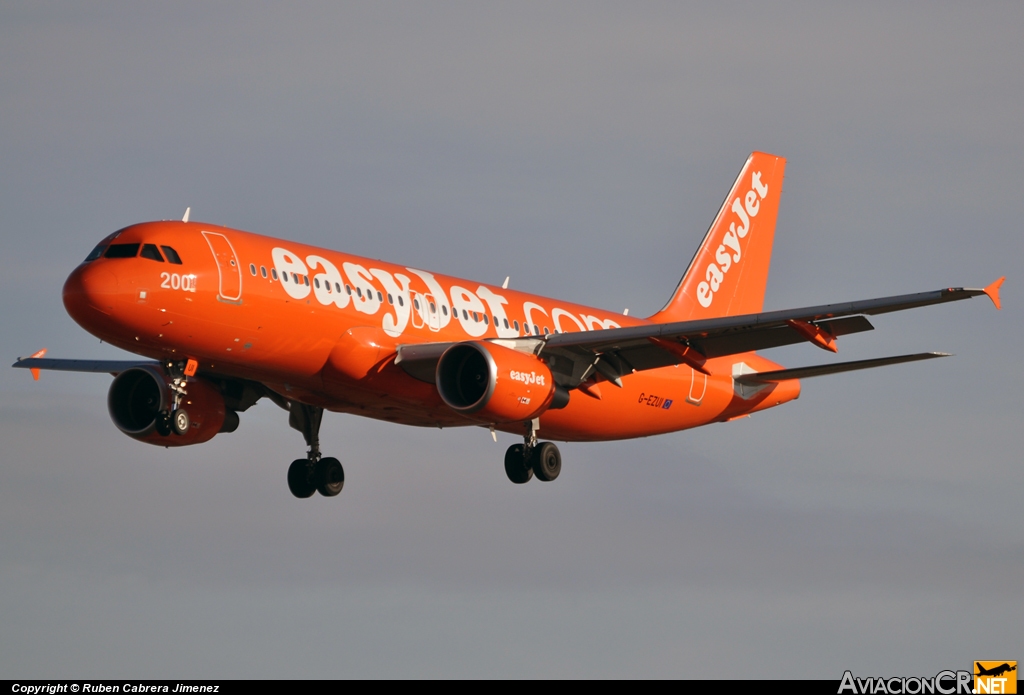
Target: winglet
x=185, y=217
x=35, y=370
x=993, y=291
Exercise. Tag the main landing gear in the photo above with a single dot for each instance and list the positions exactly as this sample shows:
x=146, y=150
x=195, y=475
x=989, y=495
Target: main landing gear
x=523, y=461
x=313, y=473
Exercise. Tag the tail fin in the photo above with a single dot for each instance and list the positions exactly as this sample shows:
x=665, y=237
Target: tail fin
x=728, y=274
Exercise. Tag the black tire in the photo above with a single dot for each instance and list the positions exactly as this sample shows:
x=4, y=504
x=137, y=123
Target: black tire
x=516, y=467
x=547, y=462
x=330, y=476
x=300, y=478
x=163, y=424
x=180, y=421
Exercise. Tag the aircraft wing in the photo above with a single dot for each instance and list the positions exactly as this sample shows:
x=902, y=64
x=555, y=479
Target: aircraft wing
x=96, y=366
x=619, y=351
x=615, y=352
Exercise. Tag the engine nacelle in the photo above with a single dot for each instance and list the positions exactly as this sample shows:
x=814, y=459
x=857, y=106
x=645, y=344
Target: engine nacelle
x=493, y=384
x=139, y=395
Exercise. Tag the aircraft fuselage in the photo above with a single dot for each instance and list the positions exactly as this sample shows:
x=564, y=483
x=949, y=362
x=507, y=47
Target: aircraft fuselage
x=322, y=328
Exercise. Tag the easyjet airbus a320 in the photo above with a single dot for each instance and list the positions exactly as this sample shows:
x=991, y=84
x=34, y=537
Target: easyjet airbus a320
x=226, y=318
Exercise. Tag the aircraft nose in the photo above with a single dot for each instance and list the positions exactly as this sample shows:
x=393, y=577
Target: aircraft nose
x=89, y=291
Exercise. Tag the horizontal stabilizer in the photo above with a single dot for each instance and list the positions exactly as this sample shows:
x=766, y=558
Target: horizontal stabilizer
x=93, y=366
x=820, y=370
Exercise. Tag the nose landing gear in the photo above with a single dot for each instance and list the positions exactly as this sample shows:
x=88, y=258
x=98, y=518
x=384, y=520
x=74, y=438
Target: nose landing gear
x=175, y=419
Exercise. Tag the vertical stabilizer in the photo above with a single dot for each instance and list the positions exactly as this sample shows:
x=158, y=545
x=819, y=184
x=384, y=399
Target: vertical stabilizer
x=729, y=272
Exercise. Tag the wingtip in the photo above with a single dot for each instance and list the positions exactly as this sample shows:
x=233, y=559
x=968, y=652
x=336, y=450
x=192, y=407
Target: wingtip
x=993, y=291
x=35, y=370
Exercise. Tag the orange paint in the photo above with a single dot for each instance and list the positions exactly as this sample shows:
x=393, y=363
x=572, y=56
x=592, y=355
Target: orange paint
x=815, y=334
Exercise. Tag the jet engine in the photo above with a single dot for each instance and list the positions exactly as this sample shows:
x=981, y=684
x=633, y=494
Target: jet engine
x=140, y=400
x=493, y=384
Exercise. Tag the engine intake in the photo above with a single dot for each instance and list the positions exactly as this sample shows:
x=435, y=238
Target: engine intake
x=140, y=396
x=493, y=384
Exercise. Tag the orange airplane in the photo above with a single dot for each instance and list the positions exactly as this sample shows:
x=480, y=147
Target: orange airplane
x=228, y=317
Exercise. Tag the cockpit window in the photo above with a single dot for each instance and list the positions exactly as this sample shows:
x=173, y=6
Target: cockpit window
x=172, y=255
x=122, y=251
x=151, y=252
x=95, y=253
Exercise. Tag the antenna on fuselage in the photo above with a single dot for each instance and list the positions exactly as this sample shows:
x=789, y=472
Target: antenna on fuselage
x=504, y=285
x=185, y=217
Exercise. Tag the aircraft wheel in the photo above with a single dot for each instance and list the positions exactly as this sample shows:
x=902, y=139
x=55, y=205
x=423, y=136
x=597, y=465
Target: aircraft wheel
x=180, y=421
x=330, y=476
x=300, y=478
x=163, y=424
x=516, y=467
x=547, y=462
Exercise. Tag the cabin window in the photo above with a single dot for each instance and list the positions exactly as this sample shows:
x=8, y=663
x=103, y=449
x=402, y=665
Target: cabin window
x=273, y=271
x=122, y=251
x=305, y=279
x=172, y=255
x=465, y=316
x=391, y=300
x=505, y=321
x=380, y=297
x=536, y=331
x=359, y=292
x=444, y=310
x=337, y=287
x=401, y=302
x=515, y=324
x=546, y=331
x=252, y=269
x=151, y=252
x=476, y=317
x=95, y=253
x=263, y=270
x=316, y=281
x=348, y=289
x=433, y=308
x=417, y=303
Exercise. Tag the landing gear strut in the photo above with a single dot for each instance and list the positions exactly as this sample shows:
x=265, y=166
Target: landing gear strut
x=313, y=473
x=523, y=461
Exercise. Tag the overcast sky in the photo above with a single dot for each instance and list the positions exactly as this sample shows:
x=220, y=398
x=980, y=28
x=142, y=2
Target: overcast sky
x=875, y=524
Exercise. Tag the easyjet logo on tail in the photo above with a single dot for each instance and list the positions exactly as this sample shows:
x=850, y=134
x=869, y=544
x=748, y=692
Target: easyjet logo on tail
x=729, y=253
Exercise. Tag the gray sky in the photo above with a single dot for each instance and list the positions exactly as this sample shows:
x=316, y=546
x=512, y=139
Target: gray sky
x=874, y=524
